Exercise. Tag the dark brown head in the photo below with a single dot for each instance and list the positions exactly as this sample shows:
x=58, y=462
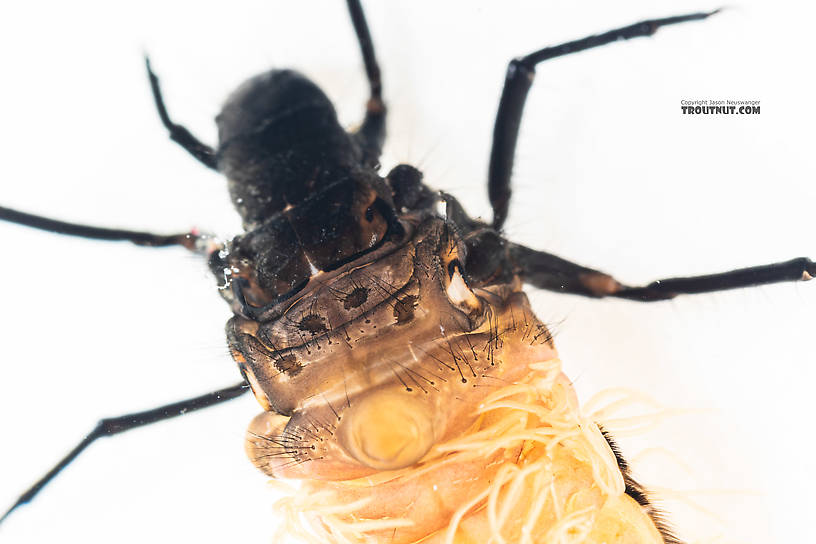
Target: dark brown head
x=279, y=143
x=298, y=180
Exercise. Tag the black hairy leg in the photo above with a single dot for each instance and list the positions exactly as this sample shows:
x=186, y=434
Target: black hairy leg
x=187, y=239
x=371, y=134
x=178, y=133
x=517, y=83
x=116, y=425
x=553, y=273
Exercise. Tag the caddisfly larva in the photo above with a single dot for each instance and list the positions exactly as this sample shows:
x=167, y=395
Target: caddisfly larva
x=168, y=73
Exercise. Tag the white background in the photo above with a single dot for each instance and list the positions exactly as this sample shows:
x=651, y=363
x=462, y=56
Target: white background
x=609, y=174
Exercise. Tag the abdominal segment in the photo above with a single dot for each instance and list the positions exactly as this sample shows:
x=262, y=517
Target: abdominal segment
x=519, y=463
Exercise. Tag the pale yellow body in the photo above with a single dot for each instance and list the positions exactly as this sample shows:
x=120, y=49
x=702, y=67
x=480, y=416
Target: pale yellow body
x=531, y=471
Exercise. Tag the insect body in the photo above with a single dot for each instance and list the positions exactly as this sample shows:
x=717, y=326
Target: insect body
x=265, y=282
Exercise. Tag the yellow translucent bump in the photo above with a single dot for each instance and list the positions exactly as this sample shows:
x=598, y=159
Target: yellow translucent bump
x=387, y=430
